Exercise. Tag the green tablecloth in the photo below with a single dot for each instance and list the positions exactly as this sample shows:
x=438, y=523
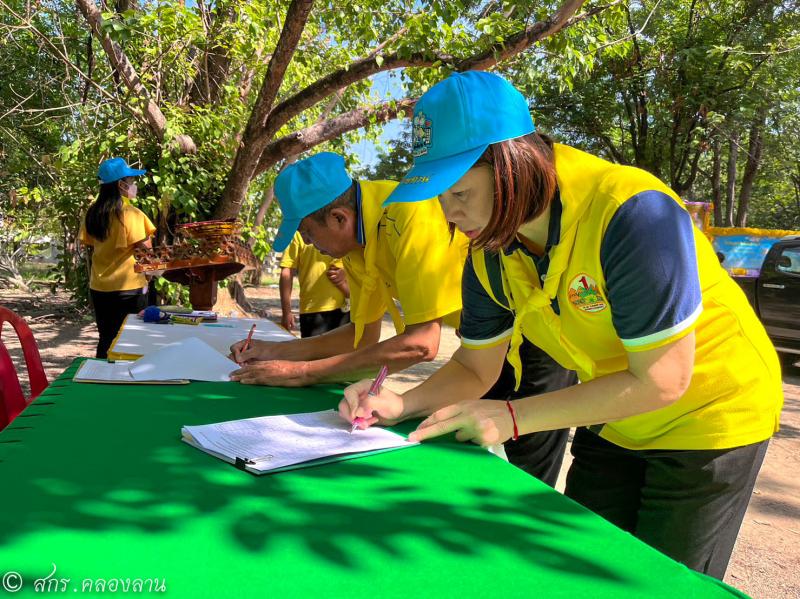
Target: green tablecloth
x=96, y=481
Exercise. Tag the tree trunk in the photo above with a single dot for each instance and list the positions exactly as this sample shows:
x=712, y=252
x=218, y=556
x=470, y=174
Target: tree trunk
x=716, y=179
x=255, y=137
x=755, y=147
x=258, y=151
x=214, y=65
x=730, y=189
x=121, y=65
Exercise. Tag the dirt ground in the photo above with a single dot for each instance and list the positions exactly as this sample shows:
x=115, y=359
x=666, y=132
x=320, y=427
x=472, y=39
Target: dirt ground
x=766, y=560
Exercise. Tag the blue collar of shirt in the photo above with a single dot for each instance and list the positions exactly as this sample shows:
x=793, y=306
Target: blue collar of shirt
x=553, y=232
x=361, y=236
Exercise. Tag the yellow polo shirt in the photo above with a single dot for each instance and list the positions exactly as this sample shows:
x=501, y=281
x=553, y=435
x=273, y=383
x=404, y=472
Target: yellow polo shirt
x=408, y=255
x=317, y=293
x=112, y=258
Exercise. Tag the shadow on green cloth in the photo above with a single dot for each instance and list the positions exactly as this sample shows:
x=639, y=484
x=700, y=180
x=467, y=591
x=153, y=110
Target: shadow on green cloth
x=104, y=458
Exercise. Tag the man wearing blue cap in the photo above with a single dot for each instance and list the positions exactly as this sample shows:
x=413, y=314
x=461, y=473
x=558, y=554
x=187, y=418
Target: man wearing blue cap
x=113, y=229
x=405, y=252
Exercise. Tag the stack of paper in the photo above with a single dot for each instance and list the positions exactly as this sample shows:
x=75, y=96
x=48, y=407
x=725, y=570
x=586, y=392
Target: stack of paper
x=189, y=359
x=100, y=371
x=274, y=443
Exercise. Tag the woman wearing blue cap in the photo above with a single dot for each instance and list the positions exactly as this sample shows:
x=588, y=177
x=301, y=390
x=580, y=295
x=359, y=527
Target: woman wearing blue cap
x=113, y=229
x=600, y=266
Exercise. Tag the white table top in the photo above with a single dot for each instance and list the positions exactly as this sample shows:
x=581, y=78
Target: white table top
x=137, y=338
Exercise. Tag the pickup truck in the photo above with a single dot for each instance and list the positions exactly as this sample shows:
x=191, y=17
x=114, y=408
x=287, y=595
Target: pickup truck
x=774, y=293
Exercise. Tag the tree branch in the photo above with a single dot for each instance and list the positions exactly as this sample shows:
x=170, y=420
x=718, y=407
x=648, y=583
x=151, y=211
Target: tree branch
x=368, y=66
x=119, y=61
x=253, y=140
x=300, y=141
x=295, y=22
x=69, y=64
x=256, y=153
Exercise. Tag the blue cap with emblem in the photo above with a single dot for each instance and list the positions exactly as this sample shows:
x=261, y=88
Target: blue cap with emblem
x=454, y=122
x=115, y=169
x=305, y=187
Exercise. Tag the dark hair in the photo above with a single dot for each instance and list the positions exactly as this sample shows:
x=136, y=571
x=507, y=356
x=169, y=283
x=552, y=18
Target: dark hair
x=107, y=205
x=524, y=185
x=345, y=200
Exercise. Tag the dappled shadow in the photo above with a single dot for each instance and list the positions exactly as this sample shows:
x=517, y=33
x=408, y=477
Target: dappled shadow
x=128, y=473
x=788, y=431
x=774, y=485
x=786, y=507
x=61, y=330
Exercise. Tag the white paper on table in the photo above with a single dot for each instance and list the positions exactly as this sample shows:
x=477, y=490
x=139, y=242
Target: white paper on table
x=101, y=370
x=189, y=358
x=272, y=442
x=139, y=338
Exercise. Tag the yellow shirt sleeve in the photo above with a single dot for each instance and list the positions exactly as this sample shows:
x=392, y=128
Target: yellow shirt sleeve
x=290, y=255
x=136, y=227
x=83, y=236
x=428, y=262
x=354, y=268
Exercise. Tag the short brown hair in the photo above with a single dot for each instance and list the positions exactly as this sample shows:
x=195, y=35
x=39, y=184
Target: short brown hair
x=345, y=200
x=524, y=185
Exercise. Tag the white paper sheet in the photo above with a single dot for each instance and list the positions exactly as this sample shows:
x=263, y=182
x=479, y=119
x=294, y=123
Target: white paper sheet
x=100, y=370
x=190, y=358
x=273, y=442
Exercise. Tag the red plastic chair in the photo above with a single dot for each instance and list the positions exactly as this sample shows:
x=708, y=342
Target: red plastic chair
x=11, y=398
x=12, y=401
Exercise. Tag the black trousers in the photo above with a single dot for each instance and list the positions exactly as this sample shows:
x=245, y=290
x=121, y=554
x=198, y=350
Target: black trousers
x=316, y=323
x=688, y=504
x=110, y=310
x=539, y=454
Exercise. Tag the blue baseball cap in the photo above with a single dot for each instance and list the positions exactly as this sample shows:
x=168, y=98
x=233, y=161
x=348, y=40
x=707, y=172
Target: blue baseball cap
x=454, y=122
x=115, y=169
x=305, y=187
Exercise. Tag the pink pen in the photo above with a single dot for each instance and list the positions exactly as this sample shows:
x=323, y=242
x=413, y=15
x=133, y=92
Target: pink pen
x=374, y=389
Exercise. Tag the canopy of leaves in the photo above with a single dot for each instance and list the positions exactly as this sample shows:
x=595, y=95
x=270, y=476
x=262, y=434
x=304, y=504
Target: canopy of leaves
x=673, y=86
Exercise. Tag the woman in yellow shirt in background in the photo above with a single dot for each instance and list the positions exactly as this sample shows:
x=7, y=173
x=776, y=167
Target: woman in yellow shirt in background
x=113, y=229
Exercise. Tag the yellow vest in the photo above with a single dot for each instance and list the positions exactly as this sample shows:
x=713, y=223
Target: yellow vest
x=735, y=395
x=408, y=254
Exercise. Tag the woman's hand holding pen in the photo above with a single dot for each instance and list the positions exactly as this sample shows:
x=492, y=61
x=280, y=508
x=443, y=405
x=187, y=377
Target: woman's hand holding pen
x=484, y=422
x=385, y=407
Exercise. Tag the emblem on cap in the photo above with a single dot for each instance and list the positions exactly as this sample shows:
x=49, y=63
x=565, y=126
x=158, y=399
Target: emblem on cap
x=585, y=295
x=421, y=135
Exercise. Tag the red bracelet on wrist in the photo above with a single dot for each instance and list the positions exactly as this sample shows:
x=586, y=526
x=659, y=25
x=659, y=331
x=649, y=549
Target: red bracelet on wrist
x=515, y=436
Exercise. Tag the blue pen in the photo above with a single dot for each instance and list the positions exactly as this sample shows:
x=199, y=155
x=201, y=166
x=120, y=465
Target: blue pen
x=209, y=324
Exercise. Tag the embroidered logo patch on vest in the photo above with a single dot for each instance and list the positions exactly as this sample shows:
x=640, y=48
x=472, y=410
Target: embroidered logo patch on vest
x=421, y=135
x=585, y=295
